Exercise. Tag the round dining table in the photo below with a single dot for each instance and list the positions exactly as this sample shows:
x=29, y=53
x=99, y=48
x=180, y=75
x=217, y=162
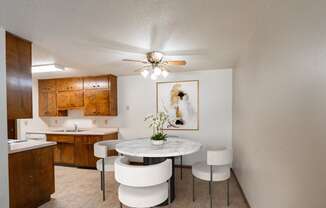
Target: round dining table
x=153, y=154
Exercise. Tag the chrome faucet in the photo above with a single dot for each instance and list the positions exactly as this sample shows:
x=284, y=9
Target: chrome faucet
x=75, y=127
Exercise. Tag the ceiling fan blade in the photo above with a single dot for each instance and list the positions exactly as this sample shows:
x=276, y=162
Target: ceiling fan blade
x=132, y=60
x=176, y=62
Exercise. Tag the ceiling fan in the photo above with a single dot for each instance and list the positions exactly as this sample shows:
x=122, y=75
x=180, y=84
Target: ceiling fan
x=156, y=65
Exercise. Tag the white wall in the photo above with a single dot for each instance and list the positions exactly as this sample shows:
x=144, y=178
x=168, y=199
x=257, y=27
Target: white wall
x=4, y=192
x=279, y=134
x=137, y=93
x=215, y=107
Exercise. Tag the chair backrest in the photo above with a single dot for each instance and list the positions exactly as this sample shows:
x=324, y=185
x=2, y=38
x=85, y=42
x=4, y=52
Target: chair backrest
x=219, y=156
x=101, y=148
x=142, y=176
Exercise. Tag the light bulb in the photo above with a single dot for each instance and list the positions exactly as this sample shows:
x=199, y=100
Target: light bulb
x=157, y=71
x=165, y=73
x=153, y=76
x=144, y=73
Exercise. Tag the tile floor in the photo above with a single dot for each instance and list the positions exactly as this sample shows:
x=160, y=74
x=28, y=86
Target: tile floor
x=80, y=188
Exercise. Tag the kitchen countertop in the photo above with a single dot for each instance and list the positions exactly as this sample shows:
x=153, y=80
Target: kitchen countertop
x=28, y=145
x=94, y=131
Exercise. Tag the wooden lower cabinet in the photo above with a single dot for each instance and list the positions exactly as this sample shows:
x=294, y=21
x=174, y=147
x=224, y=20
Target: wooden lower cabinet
x=77, y=150
x=64, y=153
x=31, y=177
x=84, y=151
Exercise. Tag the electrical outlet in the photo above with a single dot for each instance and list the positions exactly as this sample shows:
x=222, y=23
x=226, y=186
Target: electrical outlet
x=106, y=122
x=94, y=121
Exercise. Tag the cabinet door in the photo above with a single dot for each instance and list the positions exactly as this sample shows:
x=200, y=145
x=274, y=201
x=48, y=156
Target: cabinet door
x=47, y=103
x=44, y=173
x=70, y=99
x=69, y=84
x=21, y=180
x=81, y=151
x=19, y=77
x=76, y=99
x=102, y=102
x=113, y=97
x=47, y=85
x=67, y=153
x=90, y=83
x=56, y=152
x=92, y=140
x=98, y=82
x=90, y=103
x=63, y=100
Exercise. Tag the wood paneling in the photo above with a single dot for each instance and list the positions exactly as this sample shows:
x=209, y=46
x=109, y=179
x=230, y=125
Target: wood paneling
x=12, y=129
x=19, y=77
x=31, y=177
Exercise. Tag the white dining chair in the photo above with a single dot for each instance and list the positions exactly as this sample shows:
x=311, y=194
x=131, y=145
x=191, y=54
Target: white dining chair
x=106, y=162
x=143, y=186
x=217, y=168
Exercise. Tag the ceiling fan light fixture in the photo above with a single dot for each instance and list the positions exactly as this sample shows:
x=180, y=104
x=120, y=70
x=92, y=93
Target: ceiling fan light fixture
x=153, y=76
x=144, y=73
x=157, y=71
x=165, y=73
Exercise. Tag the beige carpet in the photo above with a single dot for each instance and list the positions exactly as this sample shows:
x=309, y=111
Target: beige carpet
x=80, y=188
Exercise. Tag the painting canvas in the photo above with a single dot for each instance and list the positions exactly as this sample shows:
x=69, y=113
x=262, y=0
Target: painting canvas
x=180, y=101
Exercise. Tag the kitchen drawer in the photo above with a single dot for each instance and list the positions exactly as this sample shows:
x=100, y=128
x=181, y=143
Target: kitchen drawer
x=81, y=140
x=61, y=138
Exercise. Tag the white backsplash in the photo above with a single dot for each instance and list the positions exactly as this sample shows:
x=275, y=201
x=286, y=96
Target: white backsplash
x=74, y=117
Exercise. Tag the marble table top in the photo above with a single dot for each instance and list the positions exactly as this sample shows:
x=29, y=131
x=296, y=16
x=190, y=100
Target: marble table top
x=171, y=148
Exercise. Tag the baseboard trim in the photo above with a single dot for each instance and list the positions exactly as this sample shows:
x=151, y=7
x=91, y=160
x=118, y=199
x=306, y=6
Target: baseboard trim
x=243, y=194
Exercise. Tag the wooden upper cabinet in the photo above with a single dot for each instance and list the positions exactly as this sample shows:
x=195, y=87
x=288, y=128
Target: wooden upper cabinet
x=19, y=77
x=98, y=95
x=69, y=84
x=47, y=103
x=47, y=85
x=70, y=99
x=96, y=103
x=47, y=97
x=113, y=96
x=98, y=82
x=90, y=103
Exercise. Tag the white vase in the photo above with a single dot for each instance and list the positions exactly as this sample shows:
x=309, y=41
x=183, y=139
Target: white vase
x=157, y=142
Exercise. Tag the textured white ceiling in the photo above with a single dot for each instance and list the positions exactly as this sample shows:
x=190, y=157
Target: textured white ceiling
x=92, y=36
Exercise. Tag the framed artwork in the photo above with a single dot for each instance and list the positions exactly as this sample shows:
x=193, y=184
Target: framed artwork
x=180, y=100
